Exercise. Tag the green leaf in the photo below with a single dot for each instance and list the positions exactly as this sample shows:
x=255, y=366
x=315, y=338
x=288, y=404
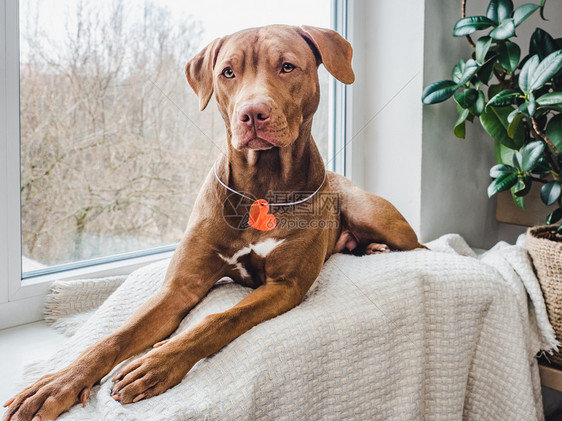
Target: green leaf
x=517, y=158
x=523, y=12
x=510, y=53
x=499, y=10
x=514, y=124
x=557, y=108
x=518, y=187
x=485, y=72
x=502, y=153
x=504, y=31
x=467, y=97
x=554, y=216
x=550, y=192
x=523, y=108
x=469, y=70
x=554, y=131
x=460, y=130
x=439, y=91
x=543, y=2
x=494, y=121
x=522, y=187
x=530, y=155
x=512, y=115
x=519, y=136
x=481, y=49
x=478, y=106
x=532, y=107
x=542, y=44
x=460, y=127
x=527, y=73
x=493, y=90
x=502, y=183
x=458, y=70
x=518, y=200
x=507, y=97
x=543, y=166
x=546, y=70
x=499, y=169
x=551, y=98
x=468, y=25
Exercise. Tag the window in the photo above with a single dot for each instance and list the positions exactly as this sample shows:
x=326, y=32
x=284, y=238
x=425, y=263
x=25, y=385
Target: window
x=112, y=147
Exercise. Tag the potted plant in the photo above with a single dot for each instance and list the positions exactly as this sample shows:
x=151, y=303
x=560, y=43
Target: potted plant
x=517, y=98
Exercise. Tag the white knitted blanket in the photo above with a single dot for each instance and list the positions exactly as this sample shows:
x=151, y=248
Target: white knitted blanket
x=437, y=334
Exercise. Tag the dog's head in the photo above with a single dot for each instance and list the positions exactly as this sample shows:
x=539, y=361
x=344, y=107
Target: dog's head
x=266, y=82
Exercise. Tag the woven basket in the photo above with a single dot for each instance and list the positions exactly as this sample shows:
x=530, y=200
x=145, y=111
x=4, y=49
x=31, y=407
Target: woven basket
x=547, y=260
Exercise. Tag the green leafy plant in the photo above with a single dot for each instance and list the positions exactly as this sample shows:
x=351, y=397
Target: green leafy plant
x=518, y=100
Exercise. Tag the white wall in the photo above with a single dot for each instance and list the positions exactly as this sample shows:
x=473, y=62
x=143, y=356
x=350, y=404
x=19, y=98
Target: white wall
x=391, y=82
x=410, y=154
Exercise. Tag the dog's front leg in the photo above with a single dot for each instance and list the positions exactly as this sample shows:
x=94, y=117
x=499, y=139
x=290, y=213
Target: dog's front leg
x=165, y=366
x=190, y=275
x=57, y=392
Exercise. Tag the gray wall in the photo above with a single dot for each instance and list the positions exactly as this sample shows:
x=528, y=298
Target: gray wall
x=408, y=151
x=454, y=171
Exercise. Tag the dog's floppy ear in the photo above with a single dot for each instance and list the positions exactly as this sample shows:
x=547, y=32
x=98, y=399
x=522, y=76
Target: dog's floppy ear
x=199, y=71
x=335, y=52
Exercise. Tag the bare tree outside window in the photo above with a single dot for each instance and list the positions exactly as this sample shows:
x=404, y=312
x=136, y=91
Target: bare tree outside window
x=113, y=146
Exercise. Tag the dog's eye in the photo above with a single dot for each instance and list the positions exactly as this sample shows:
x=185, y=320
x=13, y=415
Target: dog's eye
x=228, y=73
x=287, y=68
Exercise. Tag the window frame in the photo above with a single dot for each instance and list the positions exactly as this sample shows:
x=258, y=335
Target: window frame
x=21, y=300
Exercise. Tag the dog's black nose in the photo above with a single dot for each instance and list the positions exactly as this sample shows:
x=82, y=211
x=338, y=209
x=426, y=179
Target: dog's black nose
x=254, y=113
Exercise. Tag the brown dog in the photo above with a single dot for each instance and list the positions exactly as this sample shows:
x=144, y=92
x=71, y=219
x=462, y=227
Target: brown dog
x=266, y=86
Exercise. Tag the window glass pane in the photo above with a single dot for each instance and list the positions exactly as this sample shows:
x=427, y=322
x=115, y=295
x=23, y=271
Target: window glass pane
x=113, y=146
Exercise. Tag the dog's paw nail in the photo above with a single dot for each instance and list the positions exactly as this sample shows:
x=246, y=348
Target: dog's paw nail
x=139, y=397
x=117, y=396
x=118, y=377
x=9, y=402
x=84, y=395
x=159, y=344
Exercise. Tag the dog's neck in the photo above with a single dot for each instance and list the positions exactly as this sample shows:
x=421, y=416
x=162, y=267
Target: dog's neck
x=295, y=168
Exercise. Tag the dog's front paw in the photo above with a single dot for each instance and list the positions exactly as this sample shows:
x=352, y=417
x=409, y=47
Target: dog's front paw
x=375, y=248
x=152, y=374
x=51, y=395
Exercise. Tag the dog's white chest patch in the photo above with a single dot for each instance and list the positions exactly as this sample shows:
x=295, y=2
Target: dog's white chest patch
x=266, y=246
x=262, y=249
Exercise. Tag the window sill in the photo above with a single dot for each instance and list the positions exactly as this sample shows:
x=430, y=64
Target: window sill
x=23, y=345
